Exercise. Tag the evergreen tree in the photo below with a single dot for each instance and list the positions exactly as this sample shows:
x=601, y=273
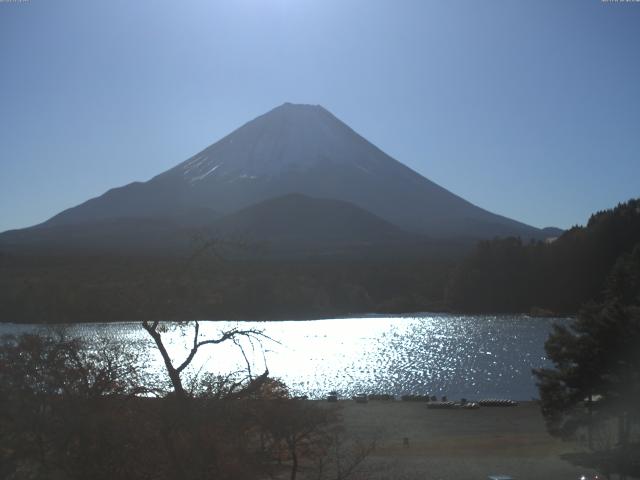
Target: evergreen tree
x=596, y=374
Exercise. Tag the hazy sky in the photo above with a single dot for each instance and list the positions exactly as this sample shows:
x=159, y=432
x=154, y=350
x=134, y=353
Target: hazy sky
x=528, y=109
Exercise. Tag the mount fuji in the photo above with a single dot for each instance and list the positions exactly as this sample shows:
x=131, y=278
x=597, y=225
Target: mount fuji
x=292, y=149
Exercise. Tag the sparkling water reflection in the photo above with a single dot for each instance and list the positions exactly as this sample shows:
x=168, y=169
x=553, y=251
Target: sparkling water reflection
x=458, y=356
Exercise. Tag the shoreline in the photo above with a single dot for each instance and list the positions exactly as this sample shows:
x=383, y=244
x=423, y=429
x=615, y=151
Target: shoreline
x=355, y=316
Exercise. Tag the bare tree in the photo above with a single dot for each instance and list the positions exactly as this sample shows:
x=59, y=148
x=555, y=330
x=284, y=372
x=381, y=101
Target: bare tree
x=297, y=429
x=234, y=335
x=344, y=460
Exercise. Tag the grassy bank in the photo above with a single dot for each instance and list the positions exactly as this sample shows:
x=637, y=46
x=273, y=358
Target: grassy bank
x=457, y=444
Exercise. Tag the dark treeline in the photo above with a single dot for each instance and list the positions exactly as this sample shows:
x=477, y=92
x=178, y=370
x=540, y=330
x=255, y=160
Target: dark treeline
x=509, y=275
x=51, y=289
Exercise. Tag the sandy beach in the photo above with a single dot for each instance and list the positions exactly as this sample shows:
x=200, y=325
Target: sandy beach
x=457, y=444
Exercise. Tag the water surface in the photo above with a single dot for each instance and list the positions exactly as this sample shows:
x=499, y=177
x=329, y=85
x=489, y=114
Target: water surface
x=470, y=356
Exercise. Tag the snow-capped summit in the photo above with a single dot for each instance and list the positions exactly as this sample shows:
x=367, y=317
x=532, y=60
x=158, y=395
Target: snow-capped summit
x=297, y=149
x=291, y=137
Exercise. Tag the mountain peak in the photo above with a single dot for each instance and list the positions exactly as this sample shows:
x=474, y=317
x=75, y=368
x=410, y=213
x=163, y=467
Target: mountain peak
x=287, y=138
x=300, y=111
x=299, y=148
x=300, y=106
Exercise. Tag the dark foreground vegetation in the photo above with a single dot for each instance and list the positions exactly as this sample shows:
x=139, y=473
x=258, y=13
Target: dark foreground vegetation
x=74, y=411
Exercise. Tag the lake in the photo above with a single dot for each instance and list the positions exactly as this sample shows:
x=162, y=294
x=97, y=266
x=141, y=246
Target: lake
x=470, y=356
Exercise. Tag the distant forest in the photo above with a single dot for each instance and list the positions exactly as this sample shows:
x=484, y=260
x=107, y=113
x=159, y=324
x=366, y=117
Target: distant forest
x=499, y=276
x=509, y=275
x=101, y=289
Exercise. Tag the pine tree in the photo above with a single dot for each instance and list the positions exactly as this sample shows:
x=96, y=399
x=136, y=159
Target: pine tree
x=596, y=374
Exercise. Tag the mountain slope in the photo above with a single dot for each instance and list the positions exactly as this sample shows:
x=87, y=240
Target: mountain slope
x=298, y=220
x=291, y=225
x=107, y=235
x=299, y=149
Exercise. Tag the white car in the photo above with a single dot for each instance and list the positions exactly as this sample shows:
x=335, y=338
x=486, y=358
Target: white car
x=499, y=477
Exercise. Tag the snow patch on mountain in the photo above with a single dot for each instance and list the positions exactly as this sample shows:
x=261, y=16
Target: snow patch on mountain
x=194, y=163
x=204, y=175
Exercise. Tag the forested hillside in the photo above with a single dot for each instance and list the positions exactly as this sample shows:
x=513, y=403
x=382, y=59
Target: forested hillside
x=103, y=288
x=507, y=275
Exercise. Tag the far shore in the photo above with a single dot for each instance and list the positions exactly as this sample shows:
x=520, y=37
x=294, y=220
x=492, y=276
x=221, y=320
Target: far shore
x=349, y=316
